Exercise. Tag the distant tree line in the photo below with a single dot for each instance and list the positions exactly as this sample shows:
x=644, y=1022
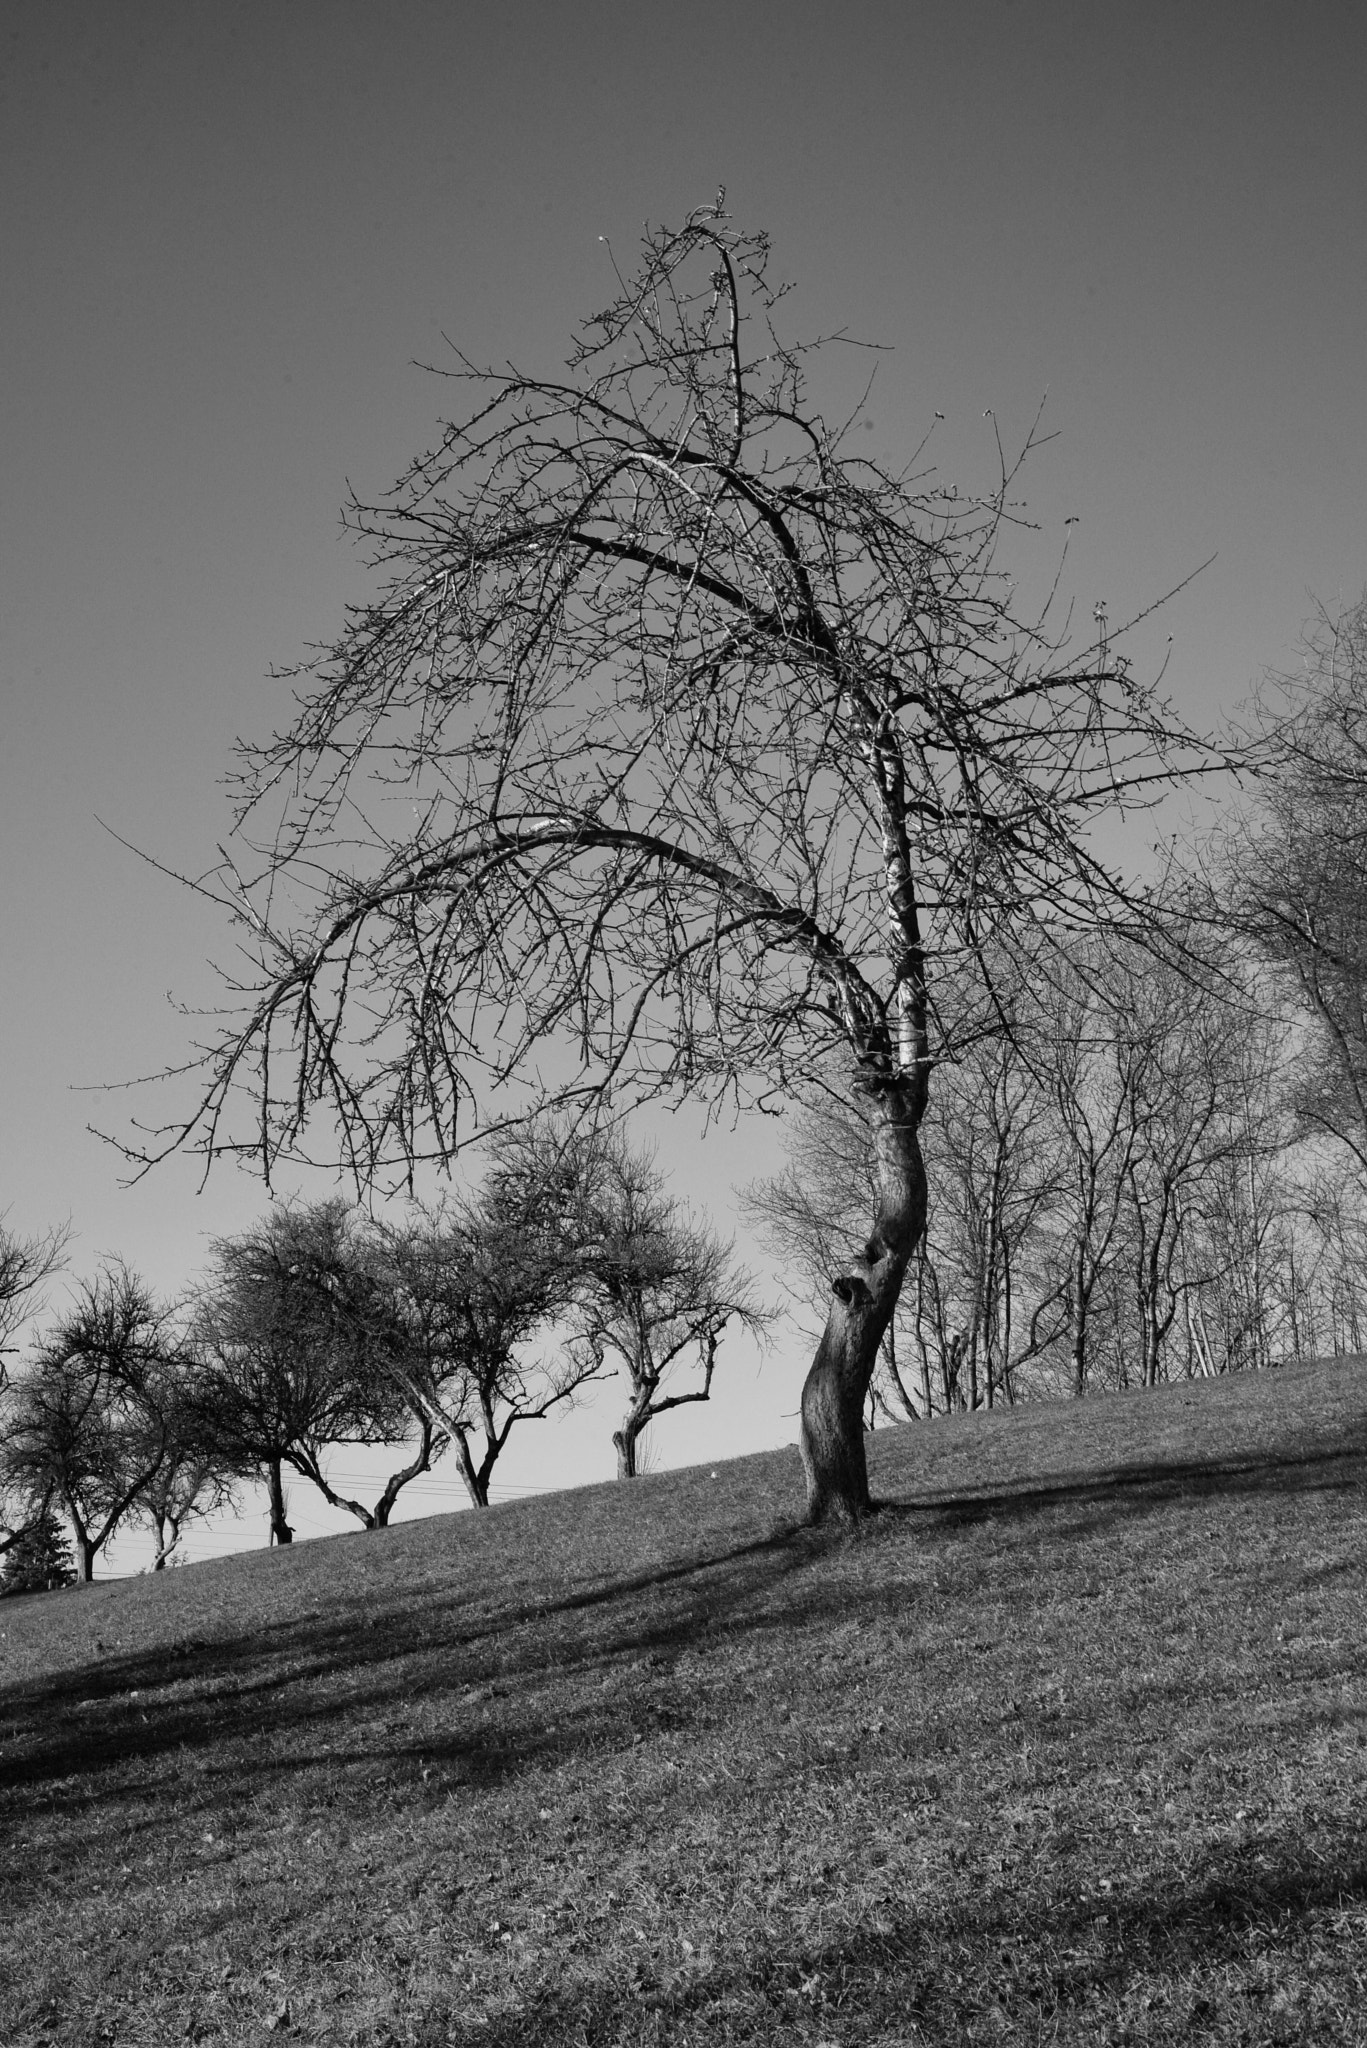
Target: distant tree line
x=1153, y=1163
x=431, y=1334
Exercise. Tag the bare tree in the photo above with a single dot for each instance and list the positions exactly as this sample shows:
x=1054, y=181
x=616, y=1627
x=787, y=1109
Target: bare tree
x=995, y=1151
x=25, y=1264
x=293, y=1337
x=1095, y=1070
x=194, y=1480
x=1293, y=867
x=22, y=1510
x=1207, y=1086
x=87, y=1428
x=716, y=747
x=478, y=1283
x=654, y=1291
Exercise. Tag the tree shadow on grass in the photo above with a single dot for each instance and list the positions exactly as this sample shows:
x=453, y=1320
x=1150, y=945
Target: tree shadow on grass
x=82, y=1732
x=481, y=1699
x=1127, y=1490
x=999, y=1961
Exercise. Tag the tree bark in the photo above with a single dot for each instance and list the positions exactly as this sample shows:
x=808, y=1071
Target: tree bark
x=281, y=1531
x=161, y=1522
x=476, y=1477
x=634, y=1423
x=624, y=1443
x=832, y=1431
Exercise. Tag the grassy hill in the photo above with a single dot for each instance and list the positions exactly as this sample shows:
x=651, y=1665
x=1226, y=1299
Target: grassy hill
x=1069, y=1744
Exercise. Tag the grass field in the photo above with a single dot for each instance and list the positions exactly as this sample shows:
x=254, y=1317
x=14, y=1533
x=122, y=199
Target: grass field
x=1069, y=1744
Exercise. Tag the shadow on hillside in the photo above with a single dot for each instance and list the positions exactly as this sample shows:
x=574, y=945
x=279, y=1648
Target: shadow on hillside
x=1016, y=1958
x=209, y=1703
x=1132, y=1489
x=1023, y=1953
x=415, y=1705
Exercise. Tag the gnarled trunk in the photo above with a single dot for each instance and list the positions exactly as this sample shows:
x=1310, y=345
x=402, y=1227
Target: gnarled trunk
x=626, y=1439
x=624, y=1442
x=833, y=1397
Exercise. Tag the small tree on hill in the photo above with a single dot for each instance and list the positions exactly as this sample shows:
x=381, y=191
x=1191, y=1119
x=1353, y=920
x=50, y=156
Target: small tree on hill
x=292, y=1335
x=479, y=1282
x=195, y=1478
x=88, y=1428
x=716, y=747
x=654, y=1291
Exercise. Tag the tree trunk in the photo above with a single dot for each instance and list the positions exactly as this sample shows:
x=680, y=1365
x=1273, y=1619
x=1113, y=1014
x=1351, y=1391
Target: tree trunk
x=161, y=1522
x=1079, y=1359
x=281, y=1531
x=832, y=1431
x=626, y=1438
x=420, y=1462
x=624, y=1443
x=476, y=1477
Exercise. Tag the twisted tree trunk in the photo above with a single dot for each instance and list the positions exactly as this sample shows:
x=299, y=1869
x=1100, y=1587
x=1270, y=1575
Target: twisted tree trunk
x=833, y=1397
x=624, y=1442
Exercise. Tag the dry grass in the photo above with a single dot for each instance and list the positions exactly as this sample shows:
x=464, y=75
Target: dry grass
x=1067, y=1745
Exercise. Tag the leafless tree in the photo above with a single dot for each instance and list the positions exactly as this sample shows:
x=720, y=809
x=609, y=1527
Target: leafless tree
x=1095, y=1068
x=480, y=1284
x=977, y=1309
x=681, y=747
x=1293, y=865
x=88, y=1428
x=654, y=1291
x=193, y=1481
x=1327, y=1269
x=25, y=1264
x=293, y=1338
x=999, y=1166
x=22, y=1509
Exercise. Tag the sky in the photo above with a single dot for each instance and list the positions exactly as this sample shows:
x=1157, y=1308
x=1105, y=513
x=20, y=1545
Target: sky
x=230, y=233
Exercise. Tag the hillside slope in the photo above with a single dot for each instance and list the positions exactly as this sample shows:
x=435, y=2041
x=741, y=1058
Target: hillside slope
x=1069, y=1744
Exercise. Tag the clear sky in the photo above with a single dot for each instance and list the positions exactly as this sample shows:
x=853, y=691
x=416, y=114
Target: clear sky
x=228, y=231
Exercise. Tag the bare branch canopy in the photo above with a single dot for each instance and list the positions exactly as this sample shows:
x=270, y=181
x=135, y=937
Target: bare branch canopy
x=680, y=748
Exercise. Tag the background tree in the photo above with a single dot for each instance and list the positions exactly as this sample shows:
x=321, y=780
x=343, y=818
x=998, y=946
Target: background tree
x=720, y=748
x=1115, y=1184
x=21, y=1509
x=972, y=1316
x=1293, y=867
x=25, y=1264
x=87, y=1429
x=195, y=1479
x=994, y=1150
x=479, y=1282
x=654, y=1291
x=292, y=1334
x=39, y=1559
x=1093, y=1073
